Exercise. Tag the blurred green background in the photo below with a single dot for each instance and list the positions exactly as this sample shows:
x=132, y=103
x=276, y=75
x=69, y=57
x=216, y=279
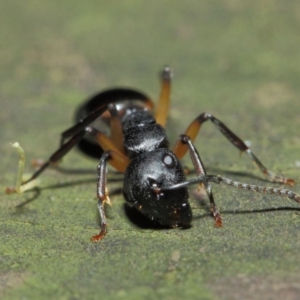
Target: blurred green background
x=239, y=60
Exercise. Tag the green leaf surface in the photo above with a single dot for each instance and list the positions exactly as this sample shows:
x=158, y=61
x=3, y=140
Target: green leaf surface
x=238, y=60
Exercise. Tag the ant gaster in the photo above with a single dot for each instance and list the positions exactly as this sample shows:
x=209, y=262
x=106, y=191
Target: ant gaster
x=154, y=180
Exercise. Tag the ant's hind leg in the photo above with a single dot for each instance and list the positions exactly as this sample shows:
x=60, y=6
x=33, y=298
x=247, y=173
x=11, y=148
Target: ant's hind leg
x=194, y=128
x=162, y=108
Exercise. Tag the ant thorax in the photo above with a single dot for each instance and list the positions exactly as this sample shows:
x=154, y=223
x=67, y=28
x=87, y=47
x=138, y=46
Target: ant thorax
x=141, y=133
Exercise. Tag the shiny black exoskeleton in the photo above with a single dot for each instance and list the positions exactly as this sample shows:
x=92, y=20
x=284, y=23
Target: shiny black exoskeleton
x=155, y=169
x=137, y=145
x=153, y=165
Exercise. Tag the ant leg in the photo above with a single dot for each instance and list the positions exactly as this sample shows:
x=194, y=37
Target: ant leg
x=116, y=128
x=120, y=161
x=164, y=99
x=78, y=127
x=200, y=171
x=102, y=191
x=102, y=195
x=73, y=131
x=193, y=130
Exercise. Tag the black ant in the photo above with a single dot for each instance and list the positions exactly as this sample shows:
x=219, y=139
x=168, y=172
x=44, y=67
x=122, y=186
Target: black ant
x=154, y=180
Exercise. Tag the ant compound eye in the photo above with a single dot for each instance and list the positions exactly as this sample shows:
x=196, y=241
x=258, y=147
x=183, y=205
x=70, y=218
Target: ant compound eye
x=168, y=161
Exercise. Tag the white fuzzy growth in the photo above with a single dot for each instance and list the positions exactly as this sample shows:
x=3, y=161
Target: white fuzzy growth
x=19, y=188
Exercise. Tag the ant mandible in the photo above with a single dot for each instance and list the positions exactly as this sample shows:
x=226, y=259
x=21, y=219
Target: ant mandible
x=154, y=180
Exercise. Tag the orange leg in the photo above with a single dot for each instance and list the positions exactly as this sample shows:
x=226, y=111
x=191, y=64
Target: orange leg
x=119, y=160
x=164, y=99
x=113, y=143
x=194, y=128
x=116, y=129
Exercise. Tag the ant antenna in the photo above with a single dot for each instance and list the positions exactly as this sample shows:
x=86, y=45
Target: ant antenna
x=202, y=179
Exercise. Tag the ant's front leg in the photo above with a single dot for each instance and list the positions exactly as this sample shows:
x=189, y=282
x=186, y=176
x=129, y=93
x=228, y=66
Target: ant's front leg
x=102, y=190
x=102, y=195
x=193, y=130
x=184, y=140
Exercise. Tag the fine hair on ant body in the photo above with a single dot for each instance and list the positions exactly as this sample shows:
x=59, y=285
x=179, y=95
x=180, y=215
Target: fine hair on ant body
x=154, y=180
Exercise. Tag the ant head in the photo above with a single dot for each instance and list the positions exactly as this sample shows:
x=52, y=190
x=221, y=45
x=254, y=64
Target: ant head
x=152, y=170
